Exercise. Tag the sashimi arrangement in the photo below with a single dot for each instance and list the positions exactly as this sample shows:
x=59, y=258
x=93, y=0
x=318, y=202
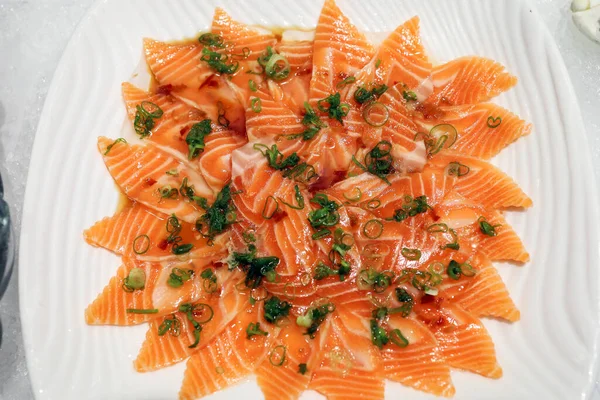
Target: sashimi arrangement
x=312, y=209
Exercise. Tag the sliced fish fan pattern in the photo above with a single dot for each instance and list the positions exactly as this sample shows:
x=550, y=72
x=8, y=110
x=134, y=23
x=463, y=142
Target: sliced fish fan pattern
x=319, y=212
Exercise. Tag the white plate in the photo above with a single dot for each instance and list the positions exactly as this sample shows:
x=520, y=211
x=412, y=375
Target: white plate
x=549, y=354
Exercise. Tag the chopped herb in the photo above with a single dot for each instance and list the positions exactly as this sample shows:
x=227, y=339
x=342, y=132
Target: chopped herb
x=494, y=122
x=345, y=82
x=277, y=356
x=299, y=199
x=145, y=116
x=256, y=268
x=276, y=309
x=110, y=146
x=373, y=229
x=409, y=95
x=486, y=228
x=314, y=317
x=179, y=276
x=362, y=94
x=170, y=324
x=195, y=138
x=333, y=106
x=135, y=280
x=252, y=85
x=323, y=271
x=397, y=338
x=167, y=192
x=411, y=254
x=194, y=311
x=188, y=191
x=218, y=62
x=379, y=336
x=378, y=161
x=302, y=369
x=210, y=280
x=275, y=65
x=410, y=208
x=219, y=216
x=457, y=169
x=326, y=216
x=376, y=114
x=172, y=172
x=256, y=105
x=406, y=299
x=371, y=278
x=253, y=329
x=141, y=244
x=211, y=40
x=142, y=311
x=377, y=63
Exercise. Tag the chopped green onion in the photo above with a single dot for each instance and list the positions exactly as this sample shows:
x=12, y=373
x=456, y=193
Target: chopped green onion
x=195, y=138
x=378, y=161
x=218, y=62
x=340, y=85
x=397, y=338
x=373, y=204
x=312, y=122
x=110, y=146
x=142, y=311
x=409, y=95
x=356, y=198
x=410, y=208
x=411, y=254
x=277, y=356
x=179, y=276
x=172, y=172
x=150, y=109
x=211, y=40
x=170, y=324
x=252, y=85
x=373, y=109
x=141, y=244
x=454, y=270
x=256, y=105
x=321, y=234
x=373, y=229
x=276, y=309
x=377, y=63
x=486, y=228
x=299, y=199
x=253, y=329
x=167, y=192
x=180, y=249
x=135, y=280
x=302, y=369
x=434, y=228
x=362, y=95
x=441, y=136
x=334, y=108
x=494, y=122
x=379, y=336
x=457, y=169
x=278, y=67
x=268, y=206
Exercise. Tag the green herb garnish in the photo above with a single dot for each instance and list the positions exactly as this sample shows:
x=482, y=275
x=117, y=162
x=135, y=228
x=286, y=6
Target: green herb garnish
x=334, y=108
x=253, y=329
x=276, y=309
x=195, y=138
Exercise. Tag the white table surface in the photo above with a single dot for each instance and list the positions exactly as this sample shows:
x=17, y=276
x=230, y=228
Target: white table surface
x=33, y=34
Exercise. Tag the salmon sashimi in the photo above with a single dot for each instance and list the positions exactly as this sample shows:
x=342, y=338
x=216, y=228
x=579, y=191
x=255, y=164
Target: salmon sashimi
x=118, y=302
x=178, y=126
x=232, y=355
x=141, y=173
x=399, y=60
x=417, y=364
x=339, y=51
x=484, y=294
x=291, y=378
x=139, y=232
x=196, y=325
x=469, y=80
x=483, y=130
x=346, y=351
x=480, y=181
x=312, y=209
x=462, y=339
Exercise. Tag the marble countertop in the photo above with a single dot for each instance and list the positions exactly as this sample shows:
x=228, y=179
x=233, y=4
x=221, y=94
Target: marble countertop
x=33, y=35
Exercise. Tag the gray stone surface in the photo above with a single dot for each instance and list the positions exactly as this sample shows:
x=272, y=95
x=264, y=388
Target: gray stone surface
x=33, y=34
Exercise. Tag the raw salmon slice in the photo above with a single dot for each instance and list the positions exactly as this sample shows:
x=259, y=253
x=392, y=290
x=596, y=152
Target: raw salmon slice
x=463, y=342
x=399, y=60
x=483, y=295
x=297, y=48
x=110, y=307
x=124, y=234
x=348, y=361
x=159, y=351
x=141, y=172
x=480, y=181
x=469, y=80
x=231, y=356
x=171, y=131
x=286, y=382
x=418, y=364
x=339, y=51
x=176, y=64
x=483, y=129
